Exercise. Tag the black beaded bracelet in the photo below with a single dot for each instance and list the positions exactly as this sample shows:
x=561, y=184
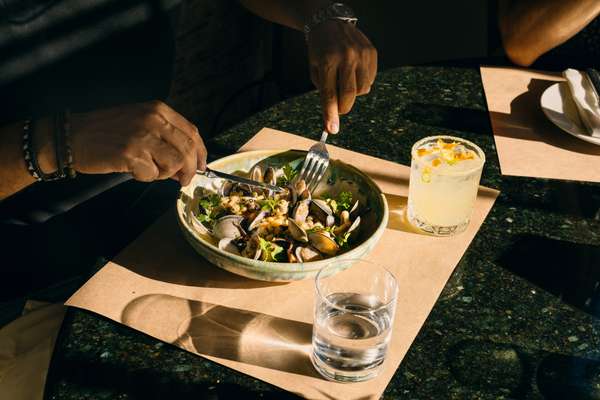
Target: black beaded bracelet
x=31, y=157
x=65, y=143
x=28, y=152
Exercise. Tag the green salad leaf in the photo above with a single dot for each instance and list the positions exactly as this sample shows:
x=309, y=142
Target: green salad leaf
x=208, y=209
x=289, y=173
x=344, y=201
x=342, y=240
x=268, y=205
x=269, y=250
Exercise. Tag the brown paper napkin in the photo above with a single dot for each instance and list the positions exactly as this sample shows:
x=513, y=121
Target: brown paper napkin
x=161, y=287
x=26, y=346
x=528, y=144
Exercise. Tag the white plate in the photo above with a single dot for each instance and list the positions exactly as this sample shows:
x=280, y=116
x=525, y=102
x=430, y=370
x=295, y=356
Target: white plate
x=560, y=109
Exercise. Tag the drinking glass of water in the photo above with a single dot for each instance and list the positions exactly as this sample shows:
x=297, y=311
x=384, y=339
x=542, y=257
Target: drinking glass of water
x=354, y=315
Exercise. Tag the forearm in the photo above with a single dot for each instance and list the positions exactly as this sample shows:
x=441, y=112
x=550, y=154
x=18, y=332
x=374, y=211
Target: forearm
x=14, y=175
x=291, y=13
x=532, y=28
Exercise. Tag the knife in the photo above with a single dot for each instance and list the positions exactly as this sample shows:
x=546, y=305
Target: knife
x=210, y=173
x=594, y=78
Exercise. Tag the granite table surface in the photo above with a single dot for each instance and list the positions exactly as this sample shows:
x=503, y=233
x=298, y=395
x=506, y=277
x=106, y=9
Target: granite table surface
x=517, y=320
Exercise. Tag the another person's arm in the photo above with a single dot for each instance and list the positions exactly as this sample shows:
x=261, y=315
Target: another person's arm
x=530, y=28
x=343, y=62
x=148, y=140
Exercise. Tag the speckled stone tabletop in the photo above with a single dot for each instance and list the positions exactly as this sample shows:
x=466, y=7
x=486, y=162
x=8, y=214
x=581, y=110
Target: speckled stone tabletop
x=517, y=320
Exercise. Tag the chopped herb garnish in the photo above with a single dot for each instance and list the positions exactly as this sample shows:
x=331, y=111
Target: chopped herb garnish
x=269, y=250
x=268, y=205
x=289, y=173
x=208, y=209
x=344, y=201
x=342, y=240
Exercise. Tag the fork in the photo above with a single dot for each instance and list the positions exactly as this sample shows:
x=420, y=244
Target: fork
x=315, y=164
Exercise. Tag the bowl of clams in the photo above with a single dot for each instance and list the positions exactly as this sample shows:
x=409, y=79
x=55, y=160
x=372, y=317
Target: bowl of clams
x=281, y=236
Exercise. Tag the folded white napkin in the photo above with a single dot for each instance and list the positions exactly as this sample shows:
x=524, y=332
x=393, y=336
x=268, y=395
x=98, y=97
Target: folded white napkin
x=585, y=100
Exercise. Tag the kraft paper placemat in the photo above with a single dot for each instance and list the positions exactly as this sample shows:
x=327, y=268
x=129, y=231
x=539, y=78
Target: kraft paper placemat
x=528, y=144
x=160, y=286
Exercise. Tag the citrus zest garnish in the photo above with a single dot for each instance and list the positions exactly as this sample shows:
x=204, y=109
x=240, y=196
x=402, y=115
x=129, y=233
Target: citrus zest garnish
x=436, y=162
x=426, y=175
x=422, y=152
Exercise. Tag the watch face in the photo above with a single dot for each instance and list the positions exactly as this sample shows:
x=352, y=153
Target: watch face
x=342, y=10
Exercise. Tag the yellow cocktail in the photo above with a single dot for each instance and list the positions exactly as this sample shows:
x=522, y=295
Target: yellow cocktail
x=444, y=179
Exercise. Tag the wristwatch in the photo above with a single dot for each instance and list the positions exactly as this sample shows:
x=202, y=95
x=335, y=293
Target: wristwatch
x=338, y=11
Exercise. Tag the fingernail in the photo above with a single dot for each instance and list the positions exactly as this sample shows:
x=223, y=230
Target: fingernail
x=334, y=127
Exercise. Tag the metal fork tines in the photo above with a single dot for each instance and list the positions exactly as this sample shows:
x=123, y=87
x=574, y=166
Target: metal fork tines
x=315, y=163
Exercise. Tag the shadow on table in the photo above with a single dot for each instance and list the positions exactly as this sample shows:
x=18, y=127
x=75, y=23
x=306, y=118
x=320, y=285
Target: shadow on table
x=525, y=113
x=228, y=333
x=567, y=270
x=162, y=254
x=484, y=364
x=397, y=218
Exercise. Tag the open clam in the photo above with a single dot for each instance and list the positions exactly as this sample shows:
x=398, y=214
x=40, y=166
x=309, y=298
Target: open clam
x=270, y=176
x=228, y=245
x=324, y=243
x=307, y=253
x=321, y=210
x=257, y=220
x=297, y=232
x=301, y=211
x=228, y=226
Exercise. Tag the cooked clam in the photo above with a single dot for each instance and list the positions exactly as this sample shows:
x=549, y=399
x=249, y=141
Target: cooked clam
x=228, y=245
x=269, y=176
x=257, y=220
x=228, y=226
x=289, y=225
x=256, y=173
x=301, y=211
x=297, y=232
x=322, y=242
x=321, y=210
x=307, y=253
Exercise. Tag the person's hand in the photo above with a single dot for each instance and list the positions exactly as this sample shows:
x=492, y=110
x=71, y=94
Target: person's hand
x=343, y=65
x=148, y=140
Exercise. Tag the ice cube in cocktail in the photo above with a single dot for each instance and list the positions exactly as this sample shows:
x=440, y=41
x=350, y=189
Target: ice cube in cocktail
x=444, y=179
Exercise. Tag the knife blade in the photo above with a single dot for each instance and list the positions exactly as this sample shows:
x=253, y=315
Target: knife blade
x=210, y=173
x=594, y=78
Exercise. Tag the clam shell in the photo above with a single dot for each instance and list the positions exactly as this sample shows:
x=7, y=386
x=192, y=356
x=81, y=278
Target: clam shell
x=228, y=226
x=225, y=188
x=256, y=221
x=323, y=243
x=320, y=210
x=269, y=176
x=256, y=173
x=227, y=244
x=199, y=226
x=301, y=211
x=297, y=232
x=300, y=185
x=354, y=207
x=307, y=253
x=329, y=221
x=354, y=225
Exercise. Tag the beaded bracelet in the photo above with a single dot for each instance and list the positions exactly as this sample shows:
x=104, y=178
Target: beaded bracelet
x=31, y=158
x=67, y=152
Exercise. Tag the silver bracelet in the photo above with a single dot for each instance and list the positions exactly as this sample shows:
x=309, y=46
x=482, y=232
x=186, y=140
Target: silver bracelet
x=334, y=11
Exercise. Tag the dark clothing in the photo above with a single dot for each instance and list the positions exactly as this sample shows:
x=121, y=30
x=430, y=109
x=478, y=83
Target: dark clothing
x=82, y=55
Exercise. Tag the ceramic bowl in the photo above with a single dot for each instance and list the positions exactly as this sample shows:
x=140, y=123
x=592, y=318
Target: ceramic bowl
x=339, y=177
